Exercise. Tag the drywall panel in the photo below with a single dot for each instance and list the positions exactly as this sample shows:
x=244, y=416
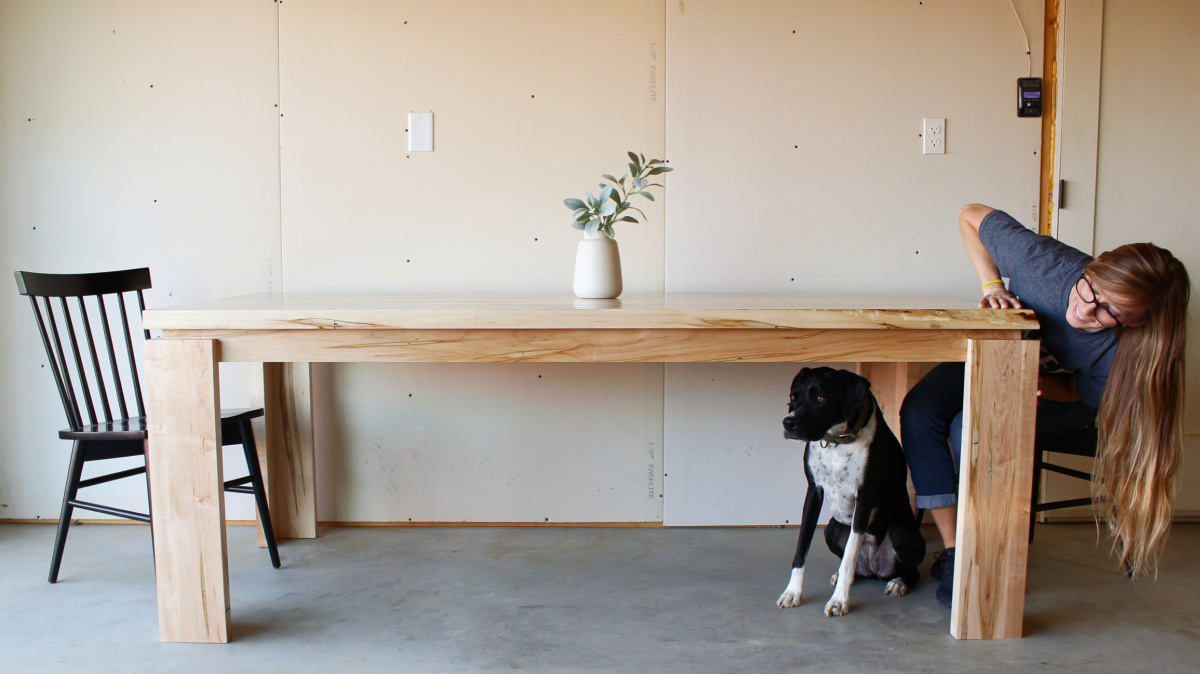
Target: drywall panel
x=491, y=442
x=1080, y=33
x=532, y=101
x=1149, y=164
x=727, y=461
x=795, y=131
x=795, y=128
x=131, y=134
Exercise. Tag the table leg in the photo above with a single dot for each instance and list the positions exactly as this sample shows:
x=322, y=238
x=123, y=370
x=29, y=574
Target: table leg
x=289, y=463
x=890, y=382
x=187, y=501
x=999, y=419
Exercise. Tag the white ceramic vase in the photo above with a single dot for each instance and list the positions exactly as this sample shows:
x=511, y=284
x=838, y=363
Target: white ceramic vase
x=597, y=268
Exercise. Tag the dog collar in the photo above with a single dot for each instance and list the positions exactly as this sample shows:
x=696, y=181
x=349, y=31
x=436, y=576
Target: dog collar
x=852, y=432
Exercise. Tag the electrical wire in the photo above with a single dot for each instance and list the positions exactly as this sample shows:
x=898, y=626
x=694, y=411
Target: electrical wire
x=1028, y=53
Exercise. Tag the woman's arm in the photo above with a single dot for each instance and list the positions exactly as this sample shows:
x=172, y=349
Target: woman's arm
x=995, y=295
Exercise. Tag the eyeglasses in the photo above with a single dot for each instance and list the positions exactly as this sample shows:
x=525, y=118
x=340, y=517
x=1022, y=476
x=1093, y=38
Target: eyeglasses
x=1087, y=293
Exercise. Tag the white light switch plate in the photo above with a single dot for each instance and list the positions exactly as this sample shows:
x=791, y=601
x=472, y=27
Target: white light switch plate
x=420, y=132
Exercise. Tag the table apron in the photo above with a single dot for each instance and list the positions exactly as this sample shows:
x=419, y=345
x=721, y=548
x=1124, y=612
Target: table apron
x=594, y=345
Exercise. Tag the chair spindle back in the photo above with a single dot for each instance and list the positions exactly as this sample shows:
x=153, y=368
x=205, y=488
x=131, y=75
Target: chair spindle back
x=81, y=374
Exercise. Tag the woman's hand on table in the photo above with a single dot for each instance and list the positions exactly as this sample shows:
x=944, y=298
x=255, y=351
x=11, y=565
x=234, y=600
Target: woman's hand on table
x=998, y=297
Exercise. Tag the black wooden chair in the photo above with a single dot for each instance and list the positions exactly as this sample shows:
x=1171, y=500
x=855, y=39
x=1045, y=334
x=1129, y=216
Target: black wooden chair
x=1076, y=442
x=96, y=380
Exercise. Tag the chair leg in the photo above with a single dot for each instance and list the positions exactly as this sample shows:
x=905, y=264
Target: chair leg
x=74, y=473
x=260, y=491
x=149, y=502
x=1037, y=485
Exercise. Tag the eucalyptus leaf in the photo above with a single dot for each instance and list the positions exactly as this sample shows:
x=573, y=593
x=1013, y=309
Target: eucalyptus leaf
x=606, y=207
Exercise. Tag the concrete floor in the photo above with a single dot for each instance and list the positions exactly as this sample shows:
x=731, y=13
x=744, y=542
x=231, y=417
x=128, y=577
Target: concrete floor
x=573, y=600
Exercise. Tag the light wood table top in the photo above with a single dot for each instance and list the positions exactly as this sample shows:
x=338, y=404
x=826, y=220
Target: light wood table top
x=298, y=311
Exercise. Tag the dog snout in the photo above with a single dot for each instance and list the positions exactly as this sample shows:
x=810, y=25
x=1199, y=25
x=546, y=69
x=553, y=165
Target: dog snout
x=789, y=427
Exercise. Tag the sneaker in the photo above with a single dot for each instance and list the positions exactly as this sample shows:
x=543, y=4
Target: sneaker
x=939, y=562
x=944, y=566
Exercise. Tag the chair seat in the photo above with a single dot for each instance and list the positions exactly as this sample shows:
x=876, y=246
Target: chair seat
x=1078, y=442
x=134, y=428
x=119, y=429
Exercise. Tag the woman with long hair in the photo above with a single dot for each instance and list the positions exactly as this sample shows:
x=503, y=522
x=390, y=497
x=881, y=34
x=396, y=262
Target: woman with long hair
x=1113, y=331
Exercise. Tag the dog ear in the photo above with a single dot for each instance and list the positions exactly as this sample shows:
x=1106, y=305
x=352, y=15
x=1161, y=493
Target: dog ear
x=855, y=389
x=799, y=375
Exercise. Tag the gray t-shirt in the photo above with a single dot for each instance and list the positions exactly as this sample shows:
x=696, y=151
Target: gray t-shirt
x=1042, y=271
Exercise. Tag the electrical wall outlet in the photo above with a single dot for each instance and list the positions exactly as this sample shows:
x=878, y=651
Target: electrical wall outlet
x=933, y=136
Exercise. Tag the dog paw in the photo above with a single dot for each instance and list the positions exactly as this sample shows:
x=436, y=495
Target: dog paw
x=896, y=587
x=837, y=606
x=833, y=581
x=789, y=599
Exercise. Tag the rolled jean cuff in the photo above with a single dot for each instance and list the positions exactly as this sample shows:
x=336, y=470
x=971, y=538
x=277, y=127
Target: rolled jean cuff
x=936, y=501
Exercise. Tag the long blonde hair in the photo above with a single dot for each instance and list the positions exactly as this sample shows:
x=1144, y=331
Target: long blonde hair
x=1141, y=413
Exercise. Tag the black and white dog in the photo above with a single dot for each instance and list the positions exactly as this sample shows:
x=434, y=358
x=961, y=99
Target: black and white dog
x=853, y=461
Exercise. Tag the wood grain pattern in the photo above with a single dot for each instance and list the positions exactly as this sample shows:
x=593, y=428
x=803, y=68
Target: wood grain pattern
x=289, y=311
x=890, y=382
x=186, y=495
x=586, y=346
x=999, y=416
x=291, y=468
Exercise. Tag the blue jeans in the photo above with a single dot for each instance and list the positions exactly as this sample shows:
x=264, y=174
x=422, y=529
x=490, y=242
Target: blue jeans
x=931, y=431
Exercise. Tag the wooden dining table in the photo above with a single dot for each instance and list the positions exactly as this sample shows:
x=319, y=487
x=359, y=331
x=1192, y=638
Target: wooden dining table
x=889, y=336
